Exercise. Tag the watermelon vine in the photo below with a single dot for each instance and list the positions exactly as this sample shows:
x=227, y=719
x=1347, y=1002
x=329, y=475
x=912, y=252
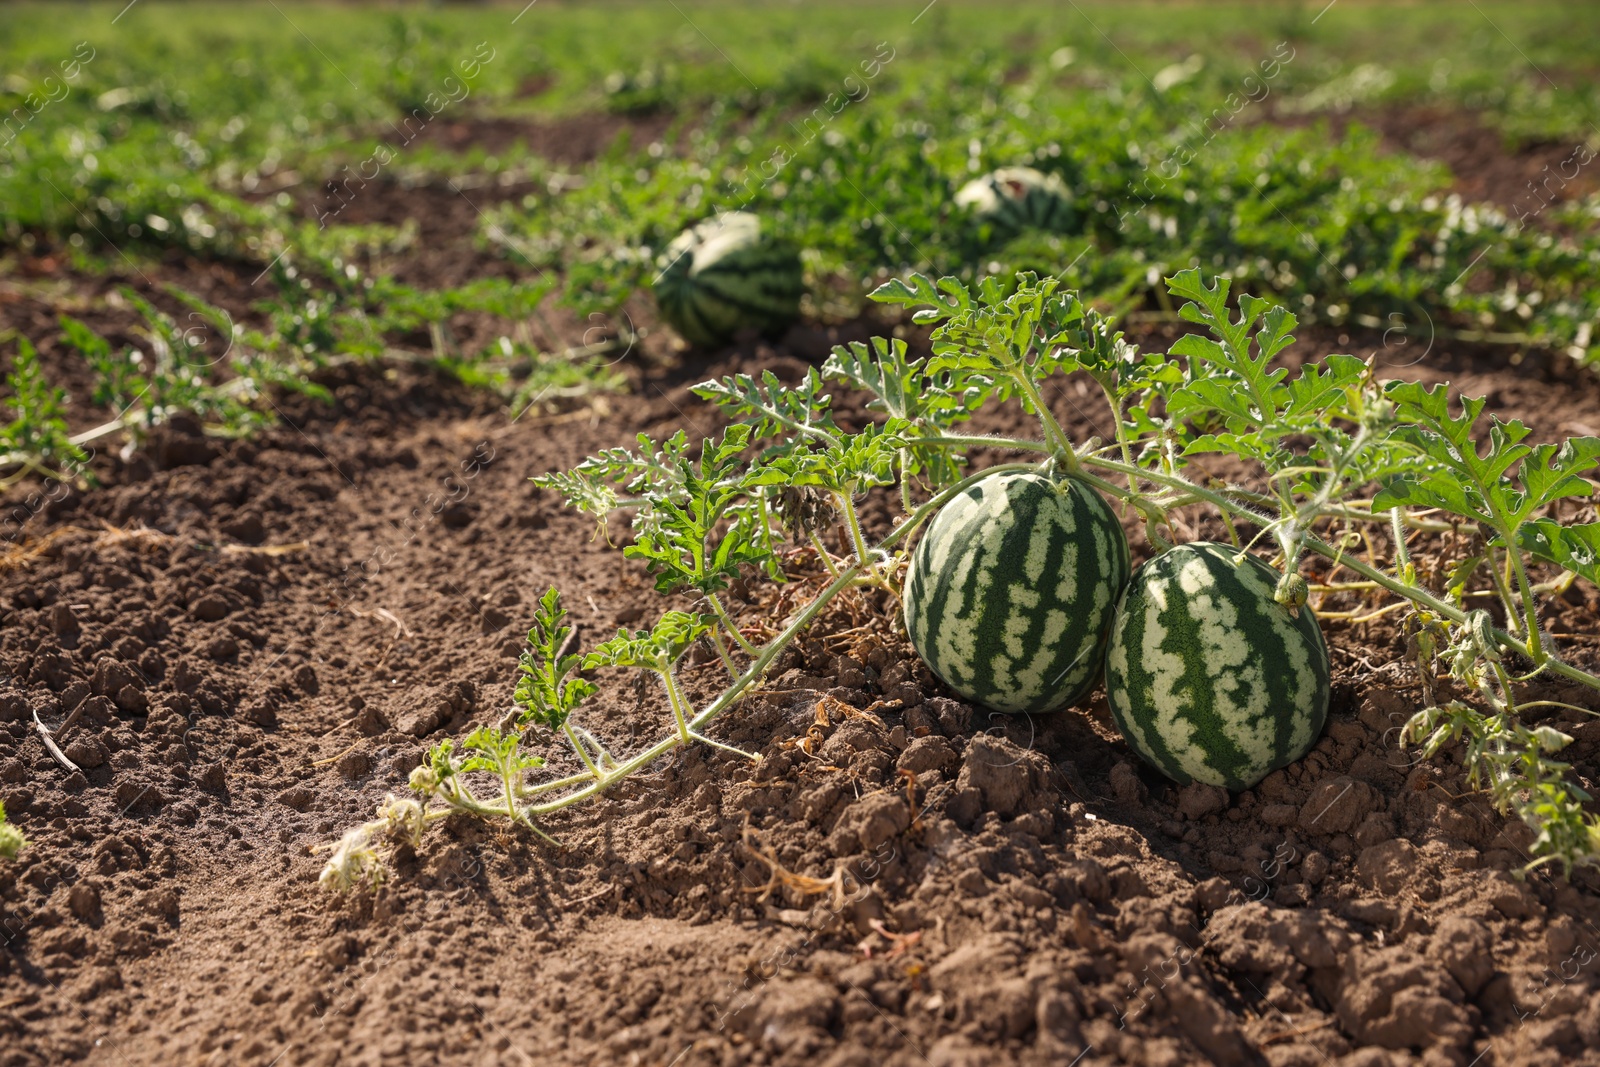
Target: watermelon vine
x=1347, y=467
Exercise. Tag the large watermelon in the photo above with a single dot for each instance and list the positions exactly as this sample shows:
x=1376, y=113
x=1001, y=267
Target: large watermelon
x=1209, y=677
x=1011, y=590
x=1013, y=199
x=725, y=275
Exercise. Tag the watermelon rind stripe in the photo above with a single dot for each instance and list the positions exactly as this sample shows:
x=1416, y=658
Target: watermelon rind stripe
x=1011, y=591
x=1208, y=677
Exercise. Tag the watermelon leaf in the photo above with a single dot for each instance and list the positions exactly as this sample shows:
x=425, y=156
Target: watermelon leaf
x=1323, y=390
x=497, y=753
x=1094, y=345
x=772, y=408
x=1502, y=486
x=935, y=301
x=1265, y=415
x=589, y=486
x=907, y=391
x=680, y=531
x=544, y=692
x=581, y=490
x=1230, y=352
x=1575, y=548
x=904, y=389
x=848, y=466
x=655, y=649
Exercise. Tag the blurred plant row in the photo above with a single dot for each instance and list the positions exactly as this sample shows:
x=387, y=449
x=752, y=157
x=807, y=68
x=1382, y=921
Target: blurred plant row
x=218, y=137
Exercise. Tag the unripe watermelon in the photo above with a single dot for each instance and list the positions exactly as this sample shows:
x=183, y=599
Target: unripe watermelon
x=1210, y=678
x=1014, y=199
x=725, y=275
x=1011, y=591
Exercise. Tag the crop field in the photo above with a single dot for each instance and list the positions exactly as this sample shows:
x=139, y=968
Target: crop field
x=692, y=532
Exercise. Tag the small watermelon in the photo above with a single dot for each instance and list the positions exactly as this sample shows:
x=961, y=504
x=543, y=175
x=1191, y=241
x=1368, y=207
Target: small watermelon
x=1209, y=676
x=724, y=275
x=1011, y=591
x=1013, y=199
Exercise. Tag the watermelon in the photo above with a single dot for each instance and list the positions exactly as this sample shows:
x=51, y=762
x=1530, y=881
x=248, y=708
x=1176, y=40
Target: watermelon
x=1013, y=199
x=725, y=275
x=1011, y=591
x=1210, y=678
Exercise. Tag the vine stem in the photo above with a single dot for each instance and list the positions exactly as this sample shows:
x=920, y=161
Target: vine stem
x=722, y=653
x=1502, y=590
x=1061, y=443
x=758, y=668
x=727, y=622
x=823, y=553
x=1530, y=607
x=853, y=521
x=1345, y=510
x=905, y=481
x=1402, y=557
x=680, y=704
x=566, y=728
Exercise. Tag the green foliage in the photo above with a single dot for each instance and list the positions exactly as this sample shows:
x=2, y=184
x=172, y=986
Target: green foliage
x=487, y=749
x=1512, y=761
x=772, y=409
x=687, y=531
x=11, y=839
x=175, y=139
x=1234, y=369
x=117, y=383
x=1574, y=547
x=180, y=375
x=849, y=464
x=545, y=693
x=1500, y=486
x=37, y=430
x=919, y=401
x=655, y=649
x=1233, y=400
x=903, y=389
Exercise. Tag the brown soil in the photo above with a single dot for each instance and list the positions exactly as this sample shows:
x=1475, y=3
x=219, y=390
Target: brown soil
x=1523, y=182
x=258, y=639
x=572, y=140
x=447, y=250
x=279, y=626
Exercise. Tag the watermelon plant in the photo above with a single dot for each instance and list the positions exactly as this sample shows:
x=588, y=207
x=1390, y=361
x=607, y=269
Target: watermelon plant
x=1013, y=199
x=1342, y=461
x=727, y=274
x=35, y=440
x=11, y=839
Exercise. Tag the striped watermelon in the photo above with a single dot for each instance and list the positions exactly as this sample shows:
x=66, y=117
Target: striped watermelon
x=723, y=275
x=1210, y=678
x=1013, y=199
x=1011, y=590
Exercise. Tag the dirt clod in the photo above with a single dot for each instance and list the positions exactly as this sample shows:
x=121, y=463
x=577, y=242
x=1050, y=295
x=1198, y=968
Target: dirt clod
x=869, y=823
x=1389, y=866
